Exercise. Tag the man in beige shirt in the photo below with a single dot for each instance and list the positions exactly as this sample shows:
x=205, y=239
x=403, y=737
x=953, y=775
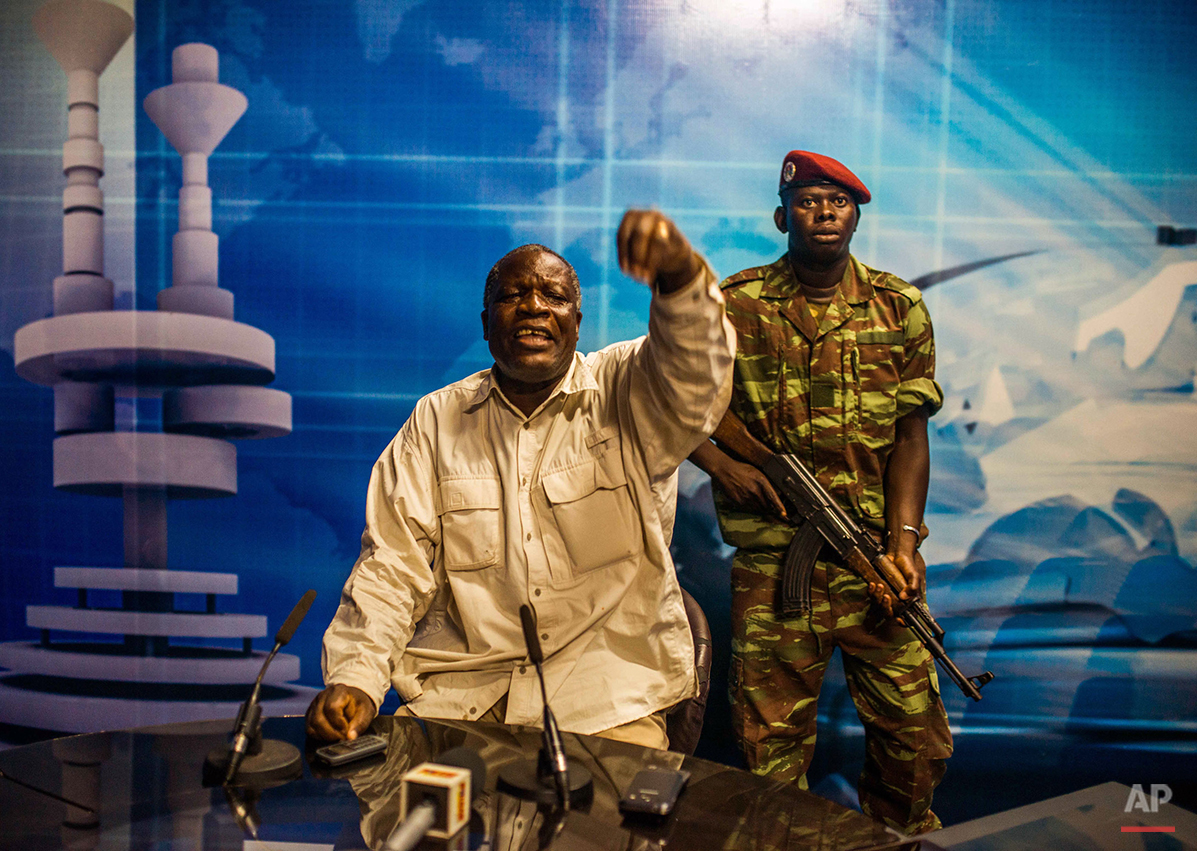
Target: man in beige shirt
x=549, y=480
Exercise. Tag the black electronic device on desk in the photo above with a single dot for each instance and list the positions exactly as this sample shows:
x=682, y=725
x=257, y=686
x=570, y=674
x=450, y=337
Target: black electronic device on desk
x=653, y=791
x=342, y=753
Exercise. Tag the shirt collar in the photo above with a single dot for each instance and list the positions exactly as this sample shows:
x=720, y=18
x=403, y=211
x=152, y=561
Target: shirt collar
x=855, y=286
x=578, y=378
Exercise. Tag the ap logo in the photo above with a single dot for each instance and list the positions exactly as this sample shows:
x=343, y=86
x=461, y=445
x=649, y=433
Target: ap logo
x=1139, y=800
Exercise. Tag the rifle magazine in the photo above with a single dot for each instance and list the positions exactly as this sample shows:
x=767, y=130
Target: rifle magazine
x=797, y=568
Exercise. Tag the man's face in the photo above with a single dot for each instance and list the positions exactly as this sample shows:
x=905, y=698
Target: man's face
x=532, y=320
x=820, y=221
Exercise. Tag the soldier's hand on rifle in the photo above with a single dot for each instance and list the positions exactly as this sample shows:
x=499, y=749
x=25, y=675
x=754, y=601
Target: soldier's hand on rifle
x=912, y=569
x=903, y=552
x=747, y=487
x=653, y=251
x=743, y=484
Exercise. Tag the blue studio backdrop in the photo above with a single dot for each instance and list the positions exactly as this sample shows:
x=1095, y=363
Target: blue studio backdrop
x=1022, y=157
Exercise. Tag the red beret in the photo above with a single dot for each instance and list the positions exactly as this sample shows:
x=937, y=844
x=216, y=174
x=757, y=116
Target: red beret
x=803, y=168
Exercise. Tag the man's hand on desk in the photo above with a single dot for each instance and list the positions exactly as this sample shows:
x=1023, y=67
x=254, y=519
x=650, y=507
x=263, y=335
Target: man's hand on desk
x=340, y=712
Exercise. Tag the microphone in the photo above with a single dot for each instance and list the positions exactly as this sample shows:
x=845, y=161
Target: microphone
x=274, y=760
x=287, y=631
x=248, y=719
x=435, y=798
x=554, y=748
x=553, y=777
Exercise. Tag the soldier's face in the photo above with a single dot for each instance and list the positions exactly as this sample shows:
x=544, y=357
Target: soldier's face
x=532, y=320
x=820, y=221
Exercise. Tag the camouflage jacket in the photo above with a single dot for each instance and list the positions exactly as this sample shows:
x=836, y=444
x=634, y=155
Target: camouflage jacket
x=829, y=393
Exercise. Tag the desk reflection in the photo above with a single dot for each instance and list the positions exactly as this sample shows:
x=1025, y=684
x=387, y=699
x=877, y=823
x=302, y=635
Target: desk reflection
x=721, y=807
x=147, y=789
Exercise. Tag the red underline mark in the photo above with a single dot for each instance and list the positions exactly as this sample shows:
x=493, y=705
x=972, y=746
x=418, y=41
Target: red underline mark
x=1149, y=829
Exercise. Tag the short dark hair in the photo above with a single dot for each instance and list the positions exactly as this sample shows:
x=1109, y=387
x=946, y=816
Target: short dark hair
x=492, y=277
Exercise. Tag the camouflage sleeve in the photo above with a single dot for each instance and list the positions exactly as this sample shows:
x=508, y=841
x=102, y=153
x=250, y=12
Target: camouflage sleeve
x=918, y=385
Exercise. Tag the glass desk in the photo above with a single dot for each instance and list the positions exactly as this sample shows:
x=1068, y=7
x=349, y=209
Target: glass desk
x=146, y=786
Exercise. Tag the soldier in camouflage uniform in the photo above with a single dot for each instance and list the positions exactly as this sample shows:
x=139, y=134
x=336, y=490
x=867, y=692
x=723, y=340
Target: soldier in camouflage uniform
x=835, y=365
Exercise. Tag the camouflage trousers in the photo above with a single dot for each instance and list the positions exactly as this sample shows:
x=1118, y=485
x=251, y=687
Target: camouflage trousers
x=777, y=671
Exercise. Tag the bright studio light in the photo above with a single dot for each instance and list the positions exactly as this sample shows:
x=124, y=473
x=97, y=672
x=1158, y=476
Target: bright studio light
x=783, y=13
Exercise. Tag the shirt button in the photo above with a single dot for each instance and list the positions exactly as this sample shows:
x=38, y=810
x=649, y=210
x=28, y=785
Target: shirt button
x=537, y=592
x=544, y=636
x=523, y=669
x=473, y=709
x=529, y=536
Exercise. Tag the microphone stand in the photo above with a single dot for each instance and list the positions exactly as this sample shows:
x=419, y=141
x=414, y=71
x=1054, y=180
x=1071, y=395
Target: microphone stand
x=243, y=804
x=251, y=760
x=551, y=827
x=552, y=760
x=552, y=778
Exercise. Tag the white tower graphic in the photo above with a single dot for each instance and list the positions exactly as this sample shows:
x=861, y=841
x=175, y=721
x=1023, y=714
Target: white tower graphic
x=208, y=371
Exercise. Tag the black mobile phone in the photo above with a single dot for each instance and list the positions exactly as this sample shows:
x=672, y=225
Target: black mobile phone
x=340, y=753
x=654, y=791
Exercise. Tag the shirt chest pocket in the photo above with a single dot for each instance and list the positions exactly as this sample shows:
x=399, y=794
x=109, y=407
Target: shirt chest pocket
x=470, y=528
x=876, y=364
x=593, y=511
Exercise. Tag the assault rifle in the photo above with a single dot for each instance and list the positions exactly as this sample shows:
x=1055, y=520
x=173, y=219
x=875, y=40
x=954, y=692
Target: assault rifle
x=823, y=521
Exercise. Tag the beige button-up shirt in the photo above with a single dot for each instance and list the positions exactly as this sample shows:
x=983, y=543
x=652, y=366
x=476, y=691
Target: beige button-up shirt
x=475, y=509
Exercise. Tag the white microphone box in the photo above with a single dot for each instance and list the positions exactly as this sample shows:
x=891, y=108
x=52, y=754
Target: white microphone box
x=448, y=787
